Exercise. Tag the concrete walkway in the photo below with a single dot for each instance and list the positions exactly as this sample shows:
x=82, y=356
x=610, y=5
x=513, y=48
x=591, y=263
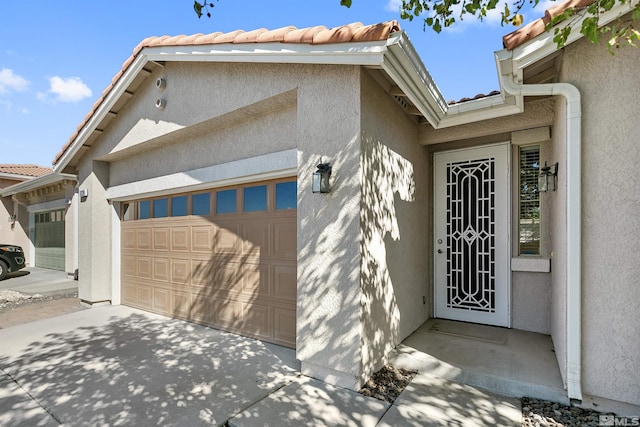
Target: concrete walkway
x=122, y=366
x=34, y=280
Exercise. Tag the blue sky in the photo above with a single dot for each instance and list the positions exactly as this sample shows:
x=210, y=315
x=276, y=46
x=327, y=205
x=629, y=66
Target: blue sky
x=57, y=57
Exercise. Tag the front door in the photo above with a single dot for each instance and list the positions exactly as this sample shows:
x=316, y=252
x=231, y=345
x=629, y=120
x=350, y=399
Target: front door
x=471, y=235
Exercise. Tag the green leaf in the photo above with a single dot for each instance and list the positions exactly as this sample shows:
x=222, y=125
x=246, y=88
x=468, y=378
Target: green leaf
x=590, y=29
x=437, y=27
x=197, y=7
x=346, y=3
x=607, y=4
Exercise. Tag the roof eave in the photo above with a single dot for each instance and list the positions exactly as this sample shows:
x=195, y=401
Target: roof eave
x=35, y=183
x=403, y=64
x=543, y=45
x=8, y=175
x=359, y=53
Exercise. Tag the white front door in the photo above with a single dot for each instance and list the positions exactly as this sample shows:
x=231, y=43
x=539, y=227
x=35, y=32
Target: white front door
x=471, y=235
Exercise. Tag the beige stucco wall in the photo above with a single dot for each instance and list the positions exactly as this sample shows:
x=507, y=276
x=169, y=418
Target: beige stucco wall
x=610, y=206
x=94, y=231
x=144, y=142
x=329, y=333
x=394, y=222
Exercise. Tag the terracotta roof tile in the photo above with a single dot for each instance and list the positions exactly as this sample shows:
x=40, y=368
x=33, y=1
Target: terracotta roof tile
x=537, y=27
x=355, y=32
x=26, y=170
x=478, y=96
x=275, y=35
x=302, y=35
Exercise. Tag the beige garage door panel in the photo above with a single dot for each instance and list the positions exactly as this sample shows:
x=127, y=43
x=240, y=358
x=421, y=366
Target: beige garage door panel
x=236, y=272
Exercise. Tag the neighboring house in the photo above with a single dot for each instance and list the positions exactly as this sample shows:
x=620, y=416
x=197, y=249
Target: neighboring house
x=37, y=214
x=195, y=170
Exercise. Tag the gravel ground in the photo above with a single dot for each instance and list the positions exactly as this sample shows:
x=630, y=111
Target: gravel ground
x=388, y=383
x=10, y=300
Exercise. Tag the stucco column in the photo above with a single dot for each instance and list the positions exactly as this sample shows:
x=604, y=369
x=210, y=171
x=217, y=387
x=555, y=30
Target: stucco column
x=329, y=331
x=94, y=230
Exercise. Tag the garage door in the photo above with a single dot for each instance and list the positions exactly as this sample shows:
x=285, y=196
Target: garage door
x=224, y=258
x=49, y=239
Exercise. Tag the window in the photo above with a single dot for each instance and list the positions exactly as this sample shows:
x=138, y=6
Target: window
x=144, y=209
x=226, y=201
x=201, y=204
x=255, y=198
x=286, y=195
x=160, y=208
x=179, y=206
x=529, y=203
x=127, y=212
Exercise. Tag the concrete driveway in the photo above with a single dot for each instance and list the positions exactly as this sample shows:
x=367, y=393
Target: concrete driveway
x=115, y=365
x=121, y=366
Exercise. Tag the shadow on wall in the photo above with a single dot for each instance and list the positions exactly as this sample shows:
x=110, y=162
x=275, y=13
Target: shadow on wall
x=353, y=326
x=385, y=176
x=140, y=370
x=327, y=267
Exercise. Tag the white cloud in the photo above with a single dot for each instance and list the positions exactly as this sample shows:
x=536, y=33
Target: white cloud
x=393, y=6
x=70, y=89
x=10, y=81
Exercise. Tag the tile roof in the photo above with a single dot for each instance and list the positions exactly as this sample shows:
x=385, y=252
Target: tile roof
x=537, y=27
x=355, y=32
x=26, y=170
x=478, y=96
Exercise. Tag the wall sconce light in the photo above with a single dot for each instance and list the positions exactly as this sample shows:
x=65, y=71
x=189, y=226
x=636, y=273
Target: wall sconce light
x=548, y=178
x=12, y=219
x=320, y=179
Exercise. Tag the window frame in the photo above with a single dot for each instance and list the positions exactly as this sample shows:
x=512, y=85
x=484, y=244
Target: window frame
x=532, y=180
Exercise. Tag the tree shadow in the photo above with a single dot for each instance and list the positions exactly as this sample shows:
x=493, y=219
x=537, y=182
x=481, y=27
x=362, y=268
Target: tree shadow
x=227, y=272
x=141, y=369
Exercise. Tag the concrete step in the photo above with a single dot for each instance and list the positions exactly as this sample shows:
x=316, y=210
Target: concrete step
x=519, y=364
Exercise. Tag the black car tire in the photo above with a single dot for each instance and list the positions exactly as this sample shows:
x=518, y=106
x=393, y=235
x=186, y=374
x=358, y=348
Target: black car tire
x=3, y=270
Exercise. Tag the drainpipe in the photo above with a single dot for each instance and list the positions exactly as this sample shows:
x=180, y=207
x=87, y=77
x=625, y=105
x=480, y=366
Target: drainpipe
x=574, y=251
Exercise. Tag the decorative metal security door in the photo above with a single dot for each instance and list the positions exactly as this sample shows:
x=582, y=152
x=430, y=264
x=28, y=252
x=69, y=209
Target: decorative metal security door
x=472, y=235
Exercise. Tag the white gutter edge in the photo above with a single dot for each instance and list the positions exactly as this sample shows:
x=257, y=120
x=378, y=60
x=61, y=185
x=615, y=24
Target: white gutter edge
x=36, y=182
x=574, y=223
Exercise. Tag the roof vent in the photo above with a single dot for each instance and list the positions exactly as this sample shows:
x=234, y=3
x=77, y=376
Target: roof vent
x=402, y=102
x=161, y=83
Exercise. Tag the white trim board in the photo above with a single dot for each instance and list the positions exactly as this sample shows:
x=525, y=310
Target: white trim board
x=268, y=166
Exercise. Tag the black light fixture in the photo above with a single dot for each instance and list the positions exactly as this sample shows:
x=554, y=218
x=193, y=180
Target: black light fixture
x=320, y=179
x=547, y=180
